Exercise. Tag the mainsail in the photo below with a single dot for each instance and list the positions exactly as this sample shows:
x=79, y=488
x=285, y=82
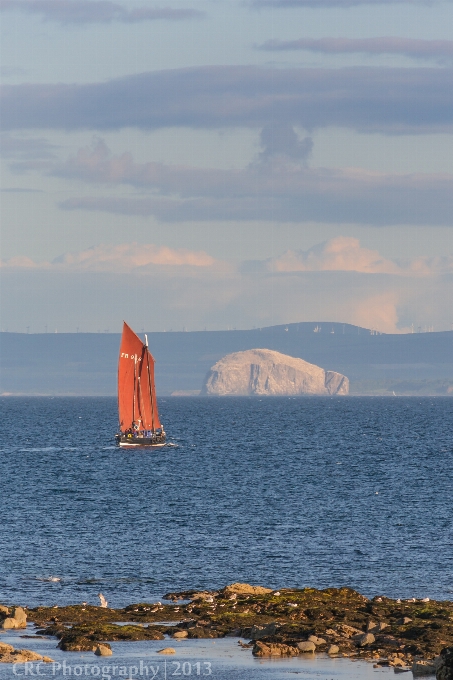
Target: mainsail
x=137, y=404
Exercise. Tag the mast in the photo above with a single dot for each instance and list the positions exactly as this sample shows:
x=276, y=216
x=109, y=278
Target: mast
x=150, y=387
x=141, y=403
x=135, y=381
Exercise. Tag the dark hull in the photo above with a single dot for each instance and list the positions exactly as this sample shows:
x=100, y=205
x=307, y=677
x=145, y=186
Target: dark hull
x=134, y=442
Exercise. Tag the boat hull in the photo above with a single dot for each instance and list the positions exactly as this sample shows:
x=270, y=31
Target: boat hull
x=139, y=442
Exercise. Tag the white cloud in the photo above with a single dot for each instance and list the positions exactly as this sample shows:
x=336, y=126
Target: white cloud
x=338, y=254
x=133, y=255
x=345, y=253
x=123, y=257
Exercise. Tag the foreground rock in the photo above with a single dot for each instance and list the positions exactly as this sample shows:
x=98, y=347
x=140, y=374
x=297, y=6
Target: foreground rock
x=265, y=372
x=103, y=650
x=337, y=621
x=244, y=589
x=10, y=655
x=12, y=619
x=444, y=665
x=83, y=637
x=273, y=649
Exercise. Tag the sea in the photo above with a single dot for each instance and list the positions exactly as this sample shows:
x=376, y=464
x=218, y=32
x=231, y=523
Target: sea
x=281, y=492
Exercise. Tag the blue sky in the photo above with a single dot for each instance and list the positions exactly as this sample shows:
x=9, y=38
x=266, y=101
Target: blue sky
x=226, y=164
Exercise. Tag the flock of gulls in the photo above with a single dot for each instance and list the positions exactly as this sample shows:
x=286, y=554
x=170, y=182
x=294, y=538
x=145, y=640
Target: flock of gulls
x=105, y=604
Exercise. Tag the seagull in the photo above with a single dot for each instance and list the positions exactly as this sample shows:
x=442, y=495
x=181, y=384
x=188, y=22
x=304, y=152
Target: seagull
x=104, y=602
x=277, y=593
x=425, y=599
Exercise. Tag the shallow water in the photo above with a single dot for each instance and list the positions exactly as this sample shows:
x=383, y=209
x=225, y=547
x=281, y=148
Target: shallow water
x=221, y=659
x=281, y=492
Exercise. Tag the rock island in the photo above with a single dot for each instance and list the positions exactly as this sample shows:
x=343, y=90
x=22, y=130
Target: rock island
x=263, y=372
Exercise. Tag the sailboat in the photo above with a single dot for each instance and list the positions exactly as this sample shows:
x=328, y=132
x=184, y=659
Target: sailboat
x=139, y=423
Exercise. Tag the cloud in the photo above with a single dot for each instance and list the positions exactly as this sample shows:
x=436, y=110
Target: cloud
x=387, y=100
x=120, y=258
x=282, y=140
x=410, y=47
x=274, y=184
x=378, y=312
x=337, y=4
x=345, y=254
x=20, y=190
x=23, y=148
x=96, y=11
x=20, y=262
x=338, y=254
x=130, y=256
x=179, y=287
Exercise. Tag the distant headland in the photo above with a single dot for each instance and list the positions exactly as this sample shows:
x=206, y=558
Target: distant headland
x=85, y=363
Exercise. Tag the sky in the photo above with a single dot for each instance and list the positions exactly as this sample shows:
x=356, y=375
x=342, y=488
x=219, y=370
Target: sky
x=220, y=164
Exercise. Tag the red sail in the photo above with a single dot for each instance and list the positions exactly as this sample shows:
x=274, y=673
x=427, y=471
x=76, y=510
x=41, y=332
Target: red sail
x=137, y=404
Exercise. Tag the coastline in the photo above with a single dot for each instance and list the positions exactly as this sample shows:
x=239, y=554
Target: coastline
x=335, y=623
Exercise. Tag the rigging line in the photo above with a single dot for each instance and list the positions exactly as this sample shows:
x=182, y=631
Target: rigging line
x=141, y=403
x=118, y=395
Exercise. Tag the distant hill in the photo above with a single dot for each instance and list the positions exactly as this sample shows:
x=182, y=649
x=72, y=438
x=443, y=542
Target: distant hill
x=85, y=363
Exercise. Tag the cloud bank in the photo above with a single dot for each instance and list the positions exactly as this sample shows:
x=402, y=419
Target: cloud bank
x=275, y=184
x=96, y=11
x=329, y=4
x=180, y=287
x=26, y=149
x=345, y=254
x=410, y=47
x=339, y=254
x=126, y=257
x=386, y=100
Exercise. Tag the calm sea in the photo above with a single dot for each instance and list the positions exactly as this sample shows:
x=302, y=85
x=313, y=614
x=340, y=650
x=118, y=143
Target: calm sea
x=280, y=492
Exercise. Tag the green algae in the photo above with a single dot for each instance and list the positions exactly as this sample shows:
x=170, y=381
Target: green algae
x=338, y=615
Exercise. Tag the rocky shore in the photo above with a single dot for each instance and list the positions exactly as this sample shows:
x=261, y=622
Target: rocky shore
x=407, y=635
